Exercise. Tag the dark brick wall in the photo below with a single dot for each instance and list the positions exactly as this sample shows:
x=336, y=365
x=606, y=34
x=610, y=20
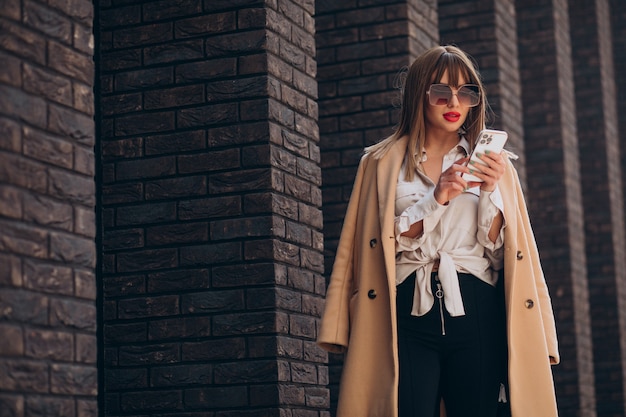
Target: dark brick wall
x=555, y=199
x=47, y=220
x=602, y=189
x=360, y=51
x=212, y=249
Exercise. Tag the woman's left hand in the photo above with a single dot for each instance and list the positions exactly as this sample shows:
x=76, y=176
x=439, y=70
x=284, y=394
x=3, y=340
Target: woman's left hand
x=491, y=173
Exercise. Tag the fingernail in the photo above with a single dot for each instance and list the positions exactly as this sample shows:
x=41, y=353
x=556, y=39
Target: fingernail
x=472, y=162
x=487, y=152
x=472, y=171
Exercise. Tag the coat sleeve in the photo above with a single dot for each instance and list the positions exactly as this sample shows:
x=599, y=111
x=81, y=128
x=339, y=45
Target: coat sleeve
x=335, y=325
x=545, y=302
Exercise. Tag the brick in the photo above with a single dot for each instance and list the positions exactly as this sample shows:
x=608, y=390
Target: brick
x=240, y=43
x=145, y=168
x=179, y=328
x=80, y=10
x=21, y=239
x=245, y=323
x=120, y=16
x=126, y=378
x=121, y=103
x=47, y=84
x=142, y=35
x=11, y=134
x=149, y=354
x=11, y=405
x=147, y=260
x=77, y=126
x=231, y=373
x=179, y=280
x=73, y=379
x=85, y=221
x=118, y=60
x=22, y=42
x=207, y=115
x=175, y=143
x=48, y=277
x=212, y=302
x=238, y=228
x=12, y=341
x=124, y=333
x=123, y=148
x=71, y=187
x=86, y=348
x=218, y=349
x=134, y=308
x=47, y=212
x=147, y=401
x=237, y=89
x=211, y=68
x=146, y=213
x=86, y=408
x=243, y=275
x=73, y=249
x=240, y=181
x=124, y=285
x=42, y=406
x=54, y=345
x=71, y=63
x=20, y=375
x=173, y=52
x=209, y=161
x=48, y=21
x=84, y=39
x=176, y=188
x=163, y=9
x=143, y=78
x=177, y=234
x=122, y=193
x=181, y=375
x=144, y=123
x=23, y=106
x=199, y=209
x=174, y=97
x=210, y=254
x=73, y=314
x=218, y=397
x=205, y=25
x=11, y=202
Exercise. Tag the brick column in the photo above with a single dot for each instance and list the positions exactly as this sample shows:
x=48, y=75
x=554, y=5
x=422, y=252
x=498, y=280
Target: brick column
x=555, y=199
x=47, y=219
x=601, y=181
x=211, y=209
x=486, y=29
x=361, y=52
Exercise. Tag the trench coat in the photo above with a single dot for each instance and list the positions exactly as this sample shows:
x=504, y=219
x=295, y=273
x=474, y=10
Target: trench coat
x=359, y=316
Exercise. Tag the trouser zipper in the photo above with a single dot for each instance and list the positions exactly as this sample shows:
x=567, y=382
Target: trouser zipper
x=439, y=295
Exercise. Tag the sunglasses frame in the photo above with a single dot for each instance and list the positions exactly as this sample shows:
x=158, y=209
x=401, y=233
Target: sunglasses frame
x=462, y=98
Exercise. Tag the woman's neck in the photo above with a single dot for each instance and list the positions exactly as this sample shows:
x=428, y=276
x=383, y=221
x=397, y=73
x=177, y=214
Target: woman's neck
x=440, y=144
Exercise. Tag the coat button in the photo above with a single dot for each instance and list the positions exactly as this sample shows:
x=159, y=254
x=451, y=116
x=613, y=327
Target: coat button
x=371, y=294
x=520, y=256
x=373, y=243
x=529, y=303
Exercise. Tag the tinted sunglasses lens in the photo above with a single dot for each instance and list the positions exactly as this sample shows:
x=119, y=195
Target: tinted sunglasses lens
x=469, y=95
x=439, y=94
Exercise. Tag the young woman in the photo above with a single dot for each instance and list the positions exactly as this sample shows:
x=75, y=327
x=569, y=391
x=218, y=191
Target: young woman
x=437, y=293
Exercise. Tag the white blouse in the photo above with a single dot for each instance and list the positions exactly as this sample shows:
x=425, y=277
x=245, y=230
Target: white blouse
x=455, y=234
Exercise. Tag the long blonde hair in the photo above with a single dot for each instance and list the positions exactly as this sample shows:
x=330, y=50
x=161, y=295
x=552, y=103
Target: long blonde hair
x=428, y=68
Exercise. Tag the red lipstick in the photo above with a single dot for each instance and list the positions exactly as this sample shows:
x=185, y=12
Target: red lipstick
x=452, y=116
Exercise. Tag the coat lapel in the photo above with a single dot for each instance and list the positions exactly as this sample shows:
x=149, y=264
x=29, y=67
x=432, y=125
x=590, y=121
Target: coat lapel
x=387, y=178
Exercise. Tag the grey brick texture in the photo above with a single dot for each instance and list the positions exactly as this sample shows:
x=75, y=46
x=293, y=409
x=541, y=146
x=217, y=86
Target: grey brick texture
x=48, y=347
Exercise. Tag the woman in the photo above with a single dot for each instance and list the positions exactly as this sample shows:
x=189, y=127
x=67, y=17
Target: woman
x=414, y=298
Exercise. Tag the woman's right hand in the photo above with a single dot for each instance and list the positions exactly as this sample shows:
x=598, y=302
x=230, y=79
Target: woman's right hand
x=450, y=184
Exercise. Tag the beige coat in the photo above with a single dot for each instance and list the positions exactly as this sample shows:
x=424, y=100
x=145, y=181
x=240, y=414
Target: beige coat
x=359, y=316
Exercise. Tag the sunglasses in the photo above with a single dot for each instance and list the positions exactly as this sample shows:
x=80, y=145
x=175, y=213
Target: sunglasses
x=441, y=94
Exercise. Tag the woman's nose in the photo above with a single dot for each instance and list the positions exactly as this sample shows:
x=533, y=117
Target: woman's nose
x=454, y=100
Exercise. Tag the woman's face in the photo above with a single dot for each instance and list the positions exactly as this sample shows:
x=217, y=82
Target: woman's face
x=448, y=117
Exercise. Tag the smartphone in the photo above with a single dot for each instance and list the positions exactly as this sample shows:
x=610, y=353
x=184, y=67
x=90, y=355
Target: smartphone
x=488, y=140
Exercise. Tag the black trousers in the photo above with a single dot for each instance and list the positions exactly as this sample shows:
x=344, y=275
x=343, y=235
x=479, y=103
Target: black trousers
x=465, y=366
